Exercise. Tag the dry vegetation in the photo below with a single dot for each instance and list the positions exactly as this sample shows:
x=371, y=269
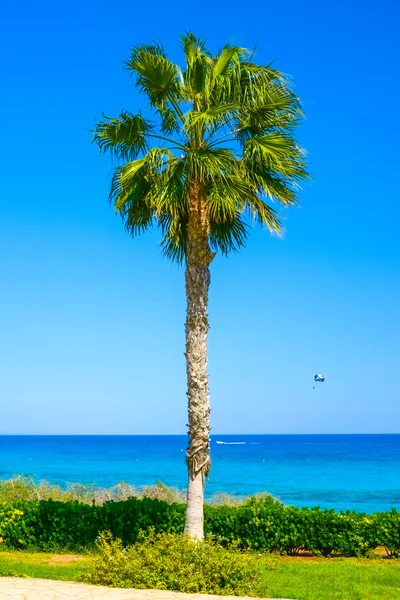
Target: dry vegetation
x=21, y=488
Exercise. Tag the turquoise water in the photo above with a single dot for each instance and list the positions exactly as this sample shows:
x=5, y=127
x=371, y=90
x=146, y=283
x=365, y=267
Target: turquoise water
x=357, y=472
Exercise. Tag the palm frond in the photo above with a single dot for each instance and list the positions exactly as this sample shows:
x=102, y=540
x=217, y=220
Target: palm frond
x=277, y=154
x=198, y=69
x=156, y=76
x=191, y=44
x=130, y=202
x=168, y=194
x=229, y=55
x=170, y=122
x=277, y=189
x=263, y=214
x=212, y=117
x=137, y=186
x=228, y=236
x=274, y=144
x=205, y=163
x=174, y=241
x=227, y=195
x=125, y=137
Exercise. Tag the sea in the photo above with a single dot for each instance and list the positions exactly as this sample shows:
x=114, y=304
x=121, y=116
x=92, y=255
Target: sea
x=343, y=472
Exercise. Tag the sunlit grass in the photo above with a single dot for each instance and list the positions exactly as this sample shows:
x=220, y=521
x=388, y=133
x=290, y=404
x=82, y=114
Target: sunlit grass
x=44, y=565
x=297, y=578
x=333, y=579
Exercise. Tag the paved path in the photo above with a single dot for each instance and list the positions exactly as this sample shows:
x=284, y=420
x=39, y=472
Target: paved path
x=18, y=588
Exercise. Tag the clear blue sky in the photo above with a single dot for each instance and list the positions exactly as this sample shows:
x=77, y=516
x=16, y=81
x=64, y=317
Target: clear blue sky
x=91, y=322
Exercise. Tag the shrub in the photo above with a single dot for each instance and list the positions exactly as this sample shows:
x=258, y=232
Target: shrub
x=266, y=524
x=127, y=519
x=349, y=533
x=388, y=531
x=253, y=524
x=49, y=525
x=225, y=499
x=160, y=491
x=9, y=517
x=358, y=534
x=174, y=562
x=20, y=489
x=261, y=524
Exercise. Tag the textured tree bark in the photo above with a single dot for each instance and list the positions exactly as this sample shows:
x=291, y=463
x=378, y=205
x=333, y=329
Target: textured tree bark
x=197, y=278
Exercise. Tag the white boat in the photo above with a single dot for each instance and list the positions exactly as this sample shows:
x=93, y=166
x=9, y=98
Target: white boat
x=231, y=443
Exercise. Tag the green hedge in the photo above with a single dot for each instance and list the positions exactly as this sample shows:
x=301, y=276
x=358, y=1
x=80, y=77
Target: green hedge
x=268, y=525
x=48, y=525
x=259, y=524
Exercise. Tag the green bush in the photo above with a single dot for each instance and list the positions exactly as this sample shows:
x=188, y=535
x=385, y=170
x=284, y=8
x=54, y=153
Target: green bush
x=49, y=525
x=166, y=561
x=261, y=524
x=9, y=517
x=266, y=524
x=388, y=531
x=348, y=534
x=254, y=524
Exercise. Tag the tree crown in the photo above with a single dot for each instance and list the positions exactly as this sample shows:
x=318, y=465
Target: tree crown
x=223, y=124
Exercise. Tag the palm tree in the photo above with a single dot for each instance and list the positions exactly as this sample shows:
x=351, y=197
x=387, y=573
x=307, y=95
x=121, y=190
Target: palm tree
x=220, y=149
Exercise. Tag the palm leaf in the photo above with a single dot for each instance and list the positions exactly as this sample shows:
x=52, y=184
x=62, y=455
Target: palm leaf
x=211, y=116
x=156, y=76
x=229, y=236
x=228, y=55
x=125, y=136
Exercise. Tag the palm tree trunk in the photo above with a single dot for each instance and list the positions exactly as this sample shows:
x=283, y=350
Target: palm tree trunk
x=197, y=278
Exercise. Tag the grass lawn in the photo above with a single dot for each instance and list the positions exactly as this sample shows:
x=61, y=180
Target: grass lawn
x=297, y=578
x=334, y=579
x=43, y=565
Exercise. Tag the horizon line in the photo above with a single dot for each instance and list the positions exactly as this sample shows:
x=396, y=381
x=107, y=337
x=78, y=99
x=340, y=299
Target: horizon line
x=180, y=434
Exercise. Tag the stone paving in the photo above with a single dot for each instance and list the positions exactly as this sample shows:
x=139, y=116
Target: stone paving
x=17, y=588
